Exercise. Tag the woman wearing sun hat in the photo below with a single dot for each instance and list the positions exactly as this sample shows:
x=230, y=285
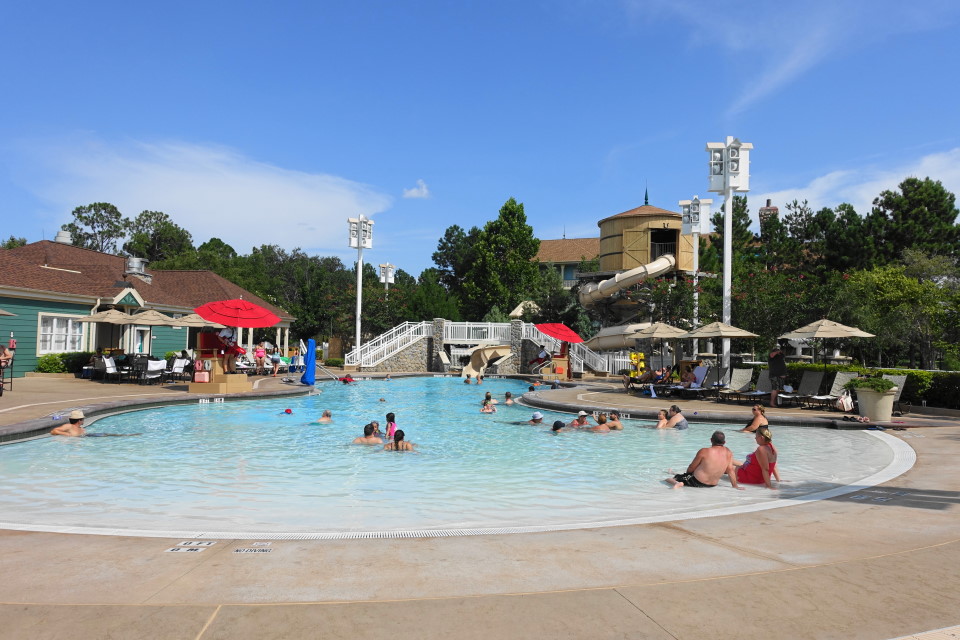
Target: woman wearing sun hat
x=536, y=418
x=761, y=464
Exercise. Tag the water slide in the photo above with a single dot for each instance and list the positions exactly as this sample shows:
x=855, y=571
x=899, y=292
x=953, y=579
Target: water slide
x=480, y=357
x=593, y=292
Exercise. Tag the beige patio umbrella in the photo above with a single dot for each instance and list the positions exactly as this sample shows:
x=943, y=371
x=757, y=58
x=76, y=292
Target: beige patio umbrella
x=825, y=329
x=660, y=330
x=719, y=330
x=153, y=318
x=110, y=316
x=194, y=320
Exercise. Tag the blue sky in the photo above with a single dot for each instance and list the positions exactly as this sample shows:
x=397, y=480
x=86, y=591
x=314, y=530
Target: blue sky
x=271, y=123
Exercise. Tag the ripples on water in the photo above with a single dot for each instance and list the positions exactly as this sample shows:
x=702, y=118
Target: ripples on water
x=248, y=465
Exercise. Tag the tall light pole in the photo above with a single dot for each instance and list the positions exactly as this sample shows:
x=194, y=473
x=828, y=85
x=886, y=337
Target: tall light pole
x=729, y=171
x=386, y=277
x=695, y=215
x=361, y=237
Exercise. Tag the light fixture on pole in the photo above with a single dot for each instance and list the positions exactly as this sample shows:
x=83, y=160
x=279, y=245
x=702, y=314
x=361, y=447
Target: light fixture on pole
x=695, y=219
x=386, y=277
x=729, y=165
x=361, y=237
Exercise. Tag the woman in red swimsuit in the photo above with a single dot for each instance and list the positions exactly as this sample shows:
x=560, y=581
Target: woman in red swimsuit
x=761, y=464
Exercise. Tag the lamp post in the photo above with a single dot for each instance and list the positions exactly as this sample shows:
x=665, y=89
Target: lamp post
x=729, y=171
x=361, y=237
x=695, y=215
x=386, y=277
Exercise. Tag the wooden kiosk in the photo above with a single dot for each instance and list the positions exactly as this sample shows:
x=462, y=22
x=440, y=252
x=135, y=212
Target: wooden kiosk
x=208, y=375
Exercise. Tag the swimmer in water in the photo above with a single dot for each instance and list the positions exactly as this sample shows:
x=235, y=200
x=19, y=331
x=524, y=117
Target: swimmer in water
x=326, y=418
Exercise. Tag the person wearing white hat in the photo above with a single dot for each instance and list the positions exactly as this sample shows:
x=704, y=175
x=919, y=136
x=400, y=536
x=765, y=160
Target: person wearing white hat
x=582, y=420
x=73, y=428
x=536, y=418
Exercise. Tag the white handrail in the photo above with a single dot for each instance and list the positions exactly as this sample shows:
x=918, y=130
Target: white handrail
x=379, y=349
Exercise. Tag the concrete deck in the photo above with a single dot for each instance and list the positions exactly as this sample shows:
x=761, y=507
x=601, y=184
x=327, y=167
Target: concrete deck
x=877, y=564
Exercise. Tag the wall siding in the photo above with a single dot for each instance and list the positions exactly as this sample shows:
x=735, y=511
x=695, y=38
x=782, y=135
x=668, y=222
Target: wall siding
x=25, y=326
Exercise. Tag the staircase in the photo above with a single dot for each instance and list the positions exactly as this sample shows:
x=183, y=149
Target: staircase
x=390, y=343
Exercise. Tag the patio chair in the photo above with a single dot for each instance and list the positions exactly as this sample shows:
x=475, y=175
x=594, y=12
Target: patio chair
x=152, y=371
x=764, y=387
x=739, y=383
x=809, y=387
x=110, y=369
x=836, y=390
x=901, y=382
x=176, y=370
x=697, y=388
x=714, y=381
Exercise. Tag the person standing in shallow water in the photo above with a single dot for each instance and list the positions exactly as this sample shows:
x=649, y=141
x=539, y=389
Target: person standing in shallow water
x=391, y=425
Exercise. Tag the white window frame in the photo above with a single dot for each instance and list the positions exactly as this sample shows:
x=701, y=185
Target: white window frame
x=72, y=331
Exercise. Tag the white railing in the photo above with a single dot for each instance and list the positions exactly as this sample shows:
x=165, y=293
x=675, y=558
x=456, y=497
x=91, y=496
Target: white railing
x=476, y=332
x=382, y=347
x=580, y=354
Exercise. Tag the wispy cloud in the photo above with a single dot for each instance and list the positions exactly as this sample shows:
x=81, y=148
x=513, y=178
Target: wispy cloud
x=212, y=191
x=860, y=187
x=419, y=191
x=764, y=46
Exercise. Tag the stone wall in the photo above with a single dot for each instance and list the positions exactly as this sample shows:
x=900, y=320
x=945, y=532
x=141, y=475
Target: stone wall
x=415, y=358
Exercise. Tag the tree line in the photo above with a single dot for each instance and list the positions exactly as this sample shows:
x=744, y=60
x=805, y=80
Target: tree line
x=892, y=271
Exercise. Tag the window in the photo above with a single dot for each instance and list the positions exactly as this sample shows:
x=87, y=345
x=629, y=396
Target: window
x=59, y=334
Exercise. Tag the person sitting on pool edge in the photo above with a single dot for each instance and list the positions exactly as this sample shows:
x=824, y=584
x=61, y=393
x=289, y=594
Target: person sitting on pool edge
x=399, y=444
x=708, y=466
x=368, y=436
x=758, y=420
x=676, y=419
x=73, y=428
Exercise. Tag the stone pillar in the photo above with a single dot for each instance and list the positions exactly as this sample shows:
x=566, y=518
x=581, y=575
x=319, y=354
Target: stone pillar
x=434, y=363
x=515, y=364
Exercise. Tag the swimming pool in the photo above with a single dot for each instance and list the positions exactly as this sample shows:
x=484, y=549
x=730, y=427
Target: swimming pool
x=248, y=467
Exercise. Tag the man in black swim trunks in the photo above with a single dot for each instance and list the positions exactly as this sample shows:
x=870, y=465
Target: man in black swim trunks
x=708, y=465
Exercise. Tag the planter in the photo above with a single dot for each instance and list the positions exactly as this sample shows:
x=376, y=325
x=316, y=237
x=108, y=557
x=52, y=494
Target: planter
x=877, y=405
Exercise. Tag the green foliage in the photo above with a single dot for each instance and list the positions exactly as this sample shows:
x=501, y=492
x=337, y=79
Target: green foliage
x=154, y=236
x=334, y=362
x=873, y=384
x=13, y=242
x=98, y=226
x=51, y=363
x=921, y=215
x=75, y=361
x=502, y=269
x=496, y=315
x=944, y=390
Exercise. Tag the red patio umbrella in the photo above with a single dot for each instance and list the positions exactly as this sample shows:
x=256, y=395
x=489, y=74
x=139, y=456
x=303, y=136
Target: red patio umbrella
x=559, y=331
x=237, y=313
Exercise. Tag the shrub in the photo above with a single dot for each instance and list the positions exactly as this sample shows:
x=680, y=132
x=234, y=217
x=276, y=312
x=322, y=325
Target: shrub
x=51, y=363
x=171, y=354
x=873, y=384
x=76, y=361
x=334, y=362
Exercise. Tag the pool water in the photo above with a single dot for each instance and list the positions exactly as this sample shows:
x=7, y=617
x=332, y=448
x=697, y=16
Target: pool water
x=249, y=466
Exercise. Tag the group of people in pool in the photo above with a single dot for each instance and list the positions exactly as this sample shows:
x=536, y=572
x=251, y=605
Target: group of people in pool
x=395, y=436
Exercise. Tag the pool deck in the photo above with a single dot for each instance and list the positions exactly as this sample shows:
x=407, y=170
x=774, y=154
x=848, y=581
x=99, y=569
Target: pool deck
x=876, y=564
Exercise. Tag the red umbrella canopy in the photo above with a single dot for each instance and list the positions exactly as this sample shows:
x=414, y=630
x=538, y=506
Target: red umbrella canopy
x=559, y=331
x=237, y=313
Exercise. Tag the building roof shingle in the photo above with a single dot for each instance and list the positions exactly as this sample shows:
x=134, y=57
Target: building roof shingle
x=568, y=250
x=60, y=268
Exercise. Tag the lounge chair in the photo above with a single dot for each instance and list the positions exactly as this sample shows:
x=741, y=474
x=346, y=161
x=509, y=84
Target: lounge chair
x=713, y=382
x=901, y=382
x=764, y=387
x=697, y=388
x=809, y=387
x=739, y=383
x=836, y=390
